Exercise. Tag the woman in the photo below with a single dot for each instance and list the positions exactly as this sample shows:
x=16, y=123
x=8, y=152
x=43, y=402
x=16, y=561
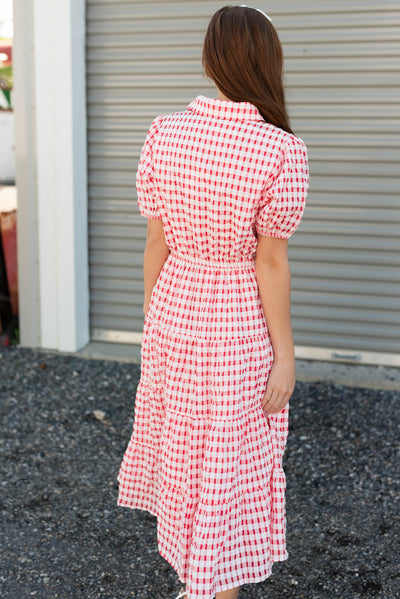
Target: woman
x=223, y=185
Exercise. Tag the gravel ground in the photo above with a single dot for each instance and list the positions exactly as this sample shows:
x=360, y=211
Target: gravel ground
x=66, y=422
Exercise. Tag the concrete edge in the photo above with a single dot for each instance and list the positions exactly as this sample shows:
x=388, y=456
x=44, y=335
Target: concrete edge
x=310, y=371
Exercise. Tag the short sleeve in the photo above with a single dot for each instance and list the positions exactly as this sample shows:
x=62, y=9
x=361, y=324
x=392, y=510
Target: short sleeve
x=282, y=205
x=145, y=175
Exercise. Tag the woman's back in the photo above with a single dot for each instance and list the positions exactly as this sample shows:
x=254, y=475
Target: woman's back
x=216, y=174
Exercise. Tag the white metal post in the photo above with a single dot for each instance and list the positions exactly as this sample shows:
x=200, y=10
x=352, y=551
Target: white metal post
x=59, y=120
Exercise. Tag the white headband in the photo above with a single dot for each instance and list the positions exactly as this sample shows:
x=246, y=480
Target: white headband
x=259, y=10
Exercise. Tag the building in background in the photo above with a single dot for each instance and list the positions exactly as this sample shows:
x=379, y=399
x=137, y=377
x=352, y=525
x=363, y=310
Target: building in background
x=90, y=77
x=8, y=201
x=7, y=135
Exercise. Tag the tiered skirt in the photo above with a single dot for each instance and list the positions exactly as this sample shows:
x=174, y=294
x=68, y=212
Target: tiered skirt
x=204, y=457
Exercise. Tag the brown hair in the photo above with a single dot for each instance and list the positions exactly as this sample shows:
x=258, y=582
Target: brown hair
x=243, y=55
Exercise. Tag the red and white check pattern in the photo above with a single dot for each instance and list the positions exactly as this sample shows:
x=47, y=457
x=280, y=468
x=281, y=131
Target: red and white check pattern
x=204, y=457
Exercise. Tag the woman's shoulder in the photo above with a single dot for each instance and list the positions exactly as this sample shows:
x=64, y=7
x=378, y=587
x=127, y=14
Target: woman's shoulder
x=287, y=146
x=163, y=123
x=295, y=148
x=281, y=137
x=164, y=119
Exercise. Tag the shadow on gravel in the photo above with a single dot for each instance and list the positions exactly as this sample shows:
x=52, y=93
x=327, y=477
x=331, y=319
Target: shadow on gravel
x=66, y=422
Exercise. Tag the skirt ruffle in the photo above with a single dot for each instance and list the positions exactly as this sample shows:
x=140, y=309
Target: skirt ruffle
x=206, y=460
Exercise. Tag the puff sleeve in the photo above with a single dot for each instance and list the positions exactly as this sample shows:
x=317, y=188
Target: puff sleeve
x=283, y=203
x=145, y=175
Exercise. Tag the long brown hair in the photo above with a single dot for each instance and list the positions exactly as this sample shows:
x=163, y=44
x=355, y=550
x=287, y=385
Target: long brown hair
x=243, y=55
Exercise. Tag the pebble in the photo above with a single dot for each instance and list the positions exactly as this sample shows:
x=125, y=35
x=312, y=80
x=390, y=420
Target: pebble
x=99, y=414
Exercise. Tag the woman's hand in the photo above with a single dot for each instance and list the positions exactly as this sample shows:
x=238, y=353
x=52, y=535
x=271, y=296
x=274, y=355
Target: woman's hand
x=280, y=385
x=145, y=308
x=273, y=279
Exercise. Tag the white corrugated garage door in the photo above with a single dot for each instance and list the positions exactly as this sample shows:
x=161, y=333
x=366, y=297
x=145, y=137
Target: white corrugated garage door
x=343, y=88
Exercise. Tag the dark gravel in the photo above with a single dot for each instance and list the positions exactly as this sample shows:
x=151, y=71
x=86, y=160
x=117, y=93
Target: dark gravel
x=63, y=536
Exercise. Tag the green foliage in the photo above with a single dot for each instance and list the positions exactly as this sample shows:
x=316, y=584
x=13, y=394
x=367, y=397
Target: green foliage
x=6, y=76
x=15, y=338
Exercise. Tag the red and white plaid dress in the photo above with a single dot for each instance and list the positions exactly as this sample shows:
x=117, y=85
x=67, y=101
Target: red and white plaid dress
x=204, y=457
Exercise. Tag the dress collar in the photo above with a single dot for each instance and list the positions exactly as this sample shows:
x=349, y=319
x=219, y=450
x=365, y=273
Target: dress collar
x=225, y=109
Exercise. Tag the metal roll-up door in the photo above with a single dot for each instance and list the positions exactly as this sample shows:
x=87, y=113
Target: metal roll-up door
x=342, y=74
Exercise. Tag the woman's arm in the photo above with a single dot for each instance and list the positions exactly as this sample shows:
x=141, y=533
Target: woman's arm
x=274, y=282
x=156, y=252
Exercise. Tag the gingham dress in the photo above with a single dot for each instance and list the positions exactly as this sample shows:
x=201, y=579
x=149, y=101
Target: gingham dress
x=204, y=457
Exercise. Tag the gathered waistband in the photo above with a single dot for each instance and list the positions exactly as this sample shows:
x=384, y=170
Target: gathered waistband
x=243, y=262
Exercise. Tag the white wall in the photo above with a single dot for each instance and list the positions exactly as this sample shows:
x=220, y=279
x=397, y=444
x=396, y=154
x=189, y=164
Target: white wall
x=7, y=146
x=50, y=109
